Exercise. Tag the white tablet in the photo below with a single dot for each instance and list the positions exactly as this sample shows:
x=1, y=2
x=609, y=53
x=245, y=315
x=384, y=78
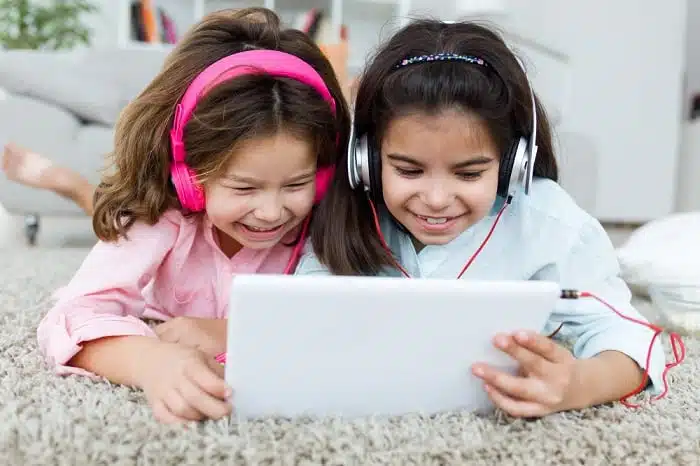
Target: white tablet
x=367, y=346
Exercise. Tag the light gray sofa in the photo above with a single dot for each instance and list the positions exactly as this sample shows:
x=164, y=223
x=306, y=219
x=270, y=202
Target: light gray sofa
x=64, y=105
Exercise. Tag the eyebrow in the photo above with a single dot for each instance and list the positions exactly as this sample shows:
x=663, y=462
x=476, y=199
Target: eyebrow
x=250, y=180
x=479, y=160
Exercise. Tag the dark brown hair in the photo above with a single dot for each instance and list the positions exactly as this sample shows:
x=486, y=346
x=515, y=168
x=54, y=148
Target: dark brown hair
x=343, y=235
x=139, y=187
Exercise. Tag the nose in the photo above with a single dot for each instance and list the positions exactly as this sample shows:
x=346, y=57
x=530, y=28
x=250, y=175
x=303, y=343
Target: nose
x=269, y=209
x=437, y=197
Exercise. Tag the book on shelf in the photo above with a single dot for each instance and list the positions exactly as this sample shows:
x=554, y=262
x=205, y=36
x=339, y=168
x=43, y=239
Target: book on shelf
x=150, y=23
x=316, y=24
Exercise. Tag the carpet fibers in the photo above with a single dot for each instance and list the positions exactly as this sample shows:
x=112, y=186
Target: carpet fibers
x=49, y=420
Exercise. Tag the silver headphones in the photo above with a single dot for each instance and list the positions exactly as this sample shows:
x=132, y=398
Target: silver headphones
x=517, y=163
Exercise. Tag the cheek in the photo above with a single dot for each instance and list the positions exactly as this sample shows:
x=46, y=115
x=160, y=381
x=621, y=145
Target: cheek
x=395, y=189
x=225, y=204
x=480, y=195
x=300, y=202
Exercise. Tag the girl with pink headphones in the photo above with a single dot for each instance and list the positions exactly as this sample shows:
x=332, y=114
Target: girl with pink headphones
x=218, y=165
x=451, y=174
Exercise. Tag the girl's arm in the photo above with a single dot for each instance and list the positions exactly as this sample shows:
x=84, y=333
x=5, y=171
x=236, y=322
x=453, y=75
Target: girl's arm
x=118, y=359
x=181, y=384
x=612, y=350
x=104, y=299
x=606, y=377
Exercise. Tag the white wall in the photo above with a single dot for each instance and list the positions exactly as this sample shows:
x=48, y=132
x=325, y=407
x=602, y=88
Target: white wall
x=688, y=187
x=693, y=50
x=104, y=23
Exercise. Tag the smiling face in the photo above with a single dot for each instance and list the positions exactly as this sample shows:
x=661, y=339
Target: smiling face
x=439, y=174
x=266, y=191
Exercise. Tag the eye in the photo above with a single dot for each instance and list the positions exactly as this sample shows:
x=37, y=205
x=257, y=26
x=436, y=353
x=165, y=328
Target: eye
x=470, y=176
x=298, y=185
x=243, y=190
x=408, y=172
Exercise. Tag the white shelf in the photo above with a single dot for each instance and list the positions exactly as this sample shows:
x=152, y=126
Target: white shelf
x=368, y=21
x=184, y=13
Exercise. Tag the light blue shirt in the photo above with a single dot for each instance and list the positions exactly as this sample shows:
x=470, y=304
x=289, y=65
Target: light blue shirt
x=541, y=236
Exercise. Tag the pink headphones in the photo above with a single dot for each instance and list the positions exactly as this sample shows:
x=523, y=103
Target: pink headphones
x=273, y=62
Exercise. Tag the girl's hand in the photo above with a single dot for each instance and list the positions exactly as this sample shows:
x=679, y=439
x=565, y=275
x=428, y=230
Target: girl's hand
x=207, y=335
x=183, y=384
x=547, y=380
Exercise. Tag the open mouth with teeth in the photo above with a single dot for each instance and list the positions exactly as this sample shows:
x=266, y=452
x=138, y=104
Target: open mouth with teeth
x=436, y=224
x=435, y=220
x=261, y=230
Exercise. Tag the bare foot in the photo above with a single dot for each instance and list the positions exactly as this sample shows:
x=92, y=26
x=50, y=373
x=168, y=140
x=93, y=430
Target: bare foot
x=32, y=169
x=26, y=167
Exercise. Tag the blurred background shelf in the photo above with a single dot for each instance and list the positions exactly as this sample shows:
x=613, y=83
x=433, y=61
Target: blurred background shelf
x=367, y=22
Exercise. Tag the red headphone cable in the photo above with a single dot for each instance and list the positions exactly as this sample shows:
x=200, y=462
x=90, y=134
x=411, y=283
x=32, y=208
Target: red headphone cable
x=677, y=344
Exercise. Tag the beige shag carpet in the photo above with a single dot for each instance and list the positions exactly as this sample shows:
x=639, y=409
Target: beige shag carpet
x=48, y=420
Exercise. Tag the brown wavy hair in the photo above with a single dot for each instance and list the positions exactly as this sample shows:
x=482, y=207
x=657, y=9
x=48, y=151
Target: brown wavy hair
x=343, y=234
x=139, y=187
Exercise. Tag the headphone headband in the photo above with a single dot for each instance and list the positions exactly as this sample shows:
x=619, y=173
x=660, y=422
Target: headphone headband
x=517, y=165
x=273, y=62
x=532, y=138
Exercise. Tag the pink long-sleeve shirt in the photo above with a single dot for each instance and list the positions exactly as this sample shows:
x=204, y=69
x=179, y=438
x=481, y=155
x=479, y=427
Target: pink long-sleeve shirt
x=170, y=269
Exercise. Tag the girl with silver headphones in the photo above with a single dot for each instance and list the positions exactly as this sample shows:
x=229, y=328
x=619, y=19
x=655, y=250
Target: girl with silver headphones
x=448, y=141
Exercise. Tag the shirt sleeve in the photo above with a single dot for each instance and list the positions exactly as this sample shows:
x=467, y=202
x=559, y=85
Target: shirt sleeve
x=309, y=263
x=591, y=266
x=104, y=297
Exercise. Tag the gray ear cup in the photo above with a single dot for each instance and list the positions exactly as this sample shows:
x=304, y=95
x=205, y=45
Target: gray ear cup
x=505, y=169
x=513, y=169
x=353, y=166
x=530, y=158
x=518, y=164
x=363, y=159
x=358, y=162
x=374, y=172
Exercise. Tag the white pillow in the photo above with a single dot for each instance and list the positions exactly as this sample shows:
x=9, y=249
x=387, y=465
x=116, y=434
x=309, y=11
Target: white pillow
x=661, y=260
x=663, y=252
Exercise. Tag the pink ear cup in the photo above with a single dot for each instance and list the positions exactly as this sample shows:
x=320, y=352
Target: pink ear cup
x=189, y=192
x=324, y=176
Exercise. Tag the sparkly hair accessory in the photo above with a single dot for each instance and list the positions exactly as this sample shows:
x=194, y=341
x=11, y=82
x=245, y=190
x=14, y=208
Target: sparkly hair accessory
x=440, y=57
